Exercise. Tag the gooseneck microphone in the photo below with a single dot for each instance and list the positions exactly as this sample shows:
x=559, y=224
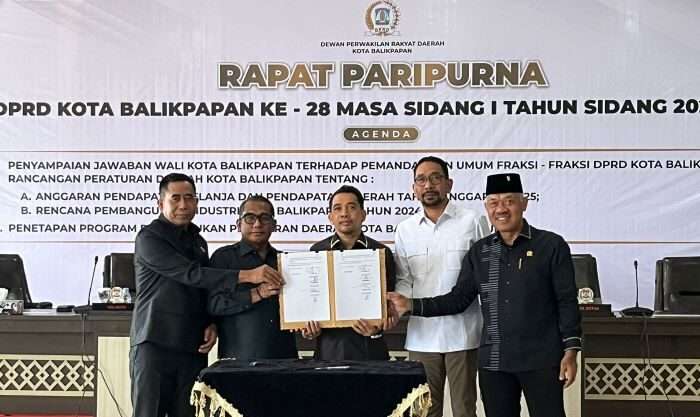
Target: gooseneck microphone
x=87, y=307
x=636, y=311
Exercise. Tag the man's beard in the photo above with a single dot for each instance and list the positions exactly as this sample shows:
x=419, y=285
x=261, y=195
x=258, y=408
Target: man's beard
x=435, y=200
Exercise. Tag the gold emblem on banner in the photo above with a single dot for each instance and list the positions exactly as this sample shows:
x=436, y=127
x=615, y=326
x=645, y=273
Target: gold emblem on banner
x=382, y=18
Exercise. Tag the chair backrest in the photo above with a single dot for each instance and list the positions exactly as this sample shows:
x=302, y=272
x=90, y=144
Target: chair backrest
x=119, y=271
x=659, y=286
x=586, y=273
x=681, y=285
x=13, y=278
x=107, y=272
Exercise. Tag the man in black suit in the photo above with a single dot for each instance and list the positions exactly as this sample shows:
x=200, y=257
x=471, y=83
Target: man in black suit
x=171, y=332
x=364, y=341
x=248, y=319
x=525, y=279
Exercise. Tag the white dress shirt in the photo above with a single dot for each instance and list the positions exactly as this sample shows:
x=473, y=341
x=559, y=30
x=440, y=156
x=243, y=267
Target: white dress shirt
x=428, y=259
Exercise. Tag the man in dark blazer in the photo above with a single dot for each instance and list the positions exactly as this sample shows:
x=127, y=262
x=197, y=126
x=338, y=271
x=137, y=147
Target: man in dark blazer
x=525, y=279
x=171, y=332
x=248, y=319
x=364, y=340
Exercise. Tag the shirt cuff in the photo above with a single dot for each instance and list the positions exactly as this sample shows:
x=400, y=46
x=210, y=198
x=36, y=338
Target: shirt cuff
x=417, y=306
x=231, y=282
x=572, y=343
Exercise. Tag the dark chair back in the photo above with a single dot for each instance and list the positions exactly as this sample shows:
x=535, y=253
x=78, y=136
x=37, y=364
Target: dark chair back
x=119, y=271
x=107, y=272
x=586, y=272
x=659, y=286
x=13, y=278
x=680, y=278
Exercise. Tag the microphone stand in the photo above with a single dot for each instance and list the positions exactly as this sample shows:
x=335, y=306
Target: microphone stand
x=637, y=311
x=83, y=309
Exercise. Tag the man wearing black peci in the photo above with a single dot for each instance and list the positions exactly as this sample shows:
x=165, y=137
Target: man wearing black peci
x=364, y=340
x=248, y=318
x=525, y=279
x=171, y=332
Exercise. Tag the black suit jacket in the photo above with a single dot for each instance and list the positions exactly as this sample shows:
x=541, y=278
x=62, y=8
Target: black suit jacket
x=247, y=330
x=344, y=343
x=172, y=276
x=528, y=300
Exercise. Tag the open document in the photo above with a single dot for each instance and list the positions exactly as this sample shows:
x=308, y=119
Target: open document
x=334, y=288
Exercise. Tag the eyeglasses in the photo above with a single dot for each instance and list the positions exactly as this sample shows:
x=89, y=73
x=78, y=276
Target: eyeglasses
x=434, y=179
x=251, y=218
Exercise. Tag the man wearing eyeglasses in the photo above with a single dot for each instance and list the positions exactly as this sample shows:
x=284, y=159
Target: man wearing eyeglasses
x=171, y=332
x=429, y=248
x=248, y=318
x=532, y=327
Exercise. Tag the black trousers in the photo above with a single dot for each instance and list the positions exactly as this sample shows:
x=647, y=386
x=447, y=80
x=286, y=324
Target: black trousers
x=162, y=379
x=500, y=392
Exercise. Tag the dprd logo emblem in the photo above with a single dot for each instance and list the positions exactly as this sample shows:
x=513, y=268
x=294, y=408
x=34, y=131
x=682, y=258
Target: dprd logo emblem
x=382, y=18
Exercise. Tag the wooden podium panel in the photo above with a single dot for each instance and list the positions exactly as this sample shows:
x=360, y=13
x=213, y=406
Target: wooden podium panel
x=641, y=367
x=48, y=360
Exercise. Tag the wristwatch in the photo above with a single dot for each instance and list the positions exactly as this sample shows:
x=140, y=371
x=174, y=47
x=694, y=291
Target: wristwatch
x=377, y=335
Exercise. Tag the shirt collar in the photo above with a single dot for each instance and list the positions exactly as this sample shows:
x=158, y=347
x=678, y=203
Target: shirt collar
x=361, y=240
x=178, y=230
x=450, y=211
x=525, y=233
x=245, y=248
x=527, y=230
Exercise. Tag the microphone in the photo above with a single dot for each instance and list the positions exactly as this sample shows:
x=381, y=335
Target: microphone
x=636, y=311
x=87, y=307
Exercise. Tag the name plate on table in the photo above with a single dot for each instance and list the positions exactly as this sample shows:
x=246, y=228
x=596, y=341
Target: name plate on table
x=595, y=310
x=12, y=307
x=112, y=306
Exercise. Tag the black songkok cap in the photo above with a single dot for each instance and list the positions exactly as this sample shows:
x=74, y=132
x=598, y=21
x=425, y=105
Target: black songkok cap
x=503, y=183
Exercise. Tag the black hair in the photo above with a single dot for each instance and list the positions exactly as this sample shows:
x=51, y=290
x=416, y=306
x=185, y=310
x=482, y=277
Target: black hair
x=347, y=189
x=259, y=198
x=174, y=177
x=434, y=159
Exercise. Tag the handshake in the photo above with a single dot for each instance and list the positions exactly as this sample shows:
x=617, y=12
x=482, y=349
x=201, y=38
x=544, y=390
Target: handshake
x=399, y=304
x=269, y=280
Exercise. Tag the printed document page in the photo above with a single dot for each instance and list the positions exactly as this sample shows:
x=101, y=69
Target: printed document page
x=358, y=288
x=305, y=294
